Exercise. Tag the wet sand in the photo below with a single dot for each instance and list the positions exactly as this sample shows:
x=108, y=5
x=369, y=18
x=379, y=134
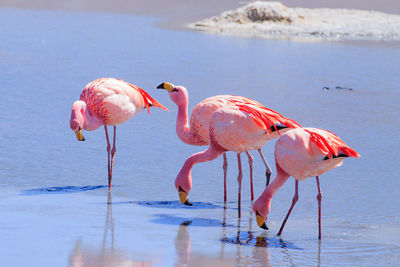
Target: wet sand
x=176, y=13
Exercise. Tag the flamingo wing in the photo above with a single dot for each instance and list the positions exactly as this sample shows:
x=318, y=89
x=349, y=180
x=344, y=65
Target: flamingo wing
x=267, y=118
x=237, y=130
x=116, y=101
x=330, y=144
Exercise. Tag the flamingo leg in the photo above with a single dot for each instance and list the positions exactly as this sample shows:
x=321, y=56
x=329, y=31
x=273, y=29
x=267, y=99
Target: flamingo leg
x=108, y=153
x=319, y=198
x=240, y=176
x=113, y=150
x=225, y=167
x=294, y=200
x=268, y=171
x=251, y=159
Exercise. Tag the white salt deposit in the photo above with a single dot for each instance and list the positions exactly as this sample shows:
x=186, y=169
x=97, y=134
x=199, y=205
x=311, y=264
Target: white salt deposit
x=274, y=20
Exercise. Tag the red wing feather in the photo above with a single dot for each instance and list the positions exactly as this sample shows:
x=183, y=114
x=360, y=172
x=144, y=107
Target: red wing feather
x=332, y=145
x=146, y=98
x=267, y=118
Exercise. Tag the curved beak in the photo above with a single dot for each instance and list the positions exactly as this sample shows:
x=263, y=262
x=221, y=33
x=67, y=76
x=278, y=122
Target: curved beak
x=167, y=86
x=183, y=197
x=79, y=135
x=261, y=221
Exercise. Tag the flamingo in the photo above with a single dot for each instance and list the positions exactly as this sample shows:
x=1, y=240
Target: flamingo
x=198, y=131
x=237, y=128
x=108, y=102
x=302, y=153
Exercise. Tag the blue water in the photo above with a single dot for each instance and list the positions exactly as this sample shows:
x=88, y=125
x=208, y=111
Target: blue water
x=53, y=197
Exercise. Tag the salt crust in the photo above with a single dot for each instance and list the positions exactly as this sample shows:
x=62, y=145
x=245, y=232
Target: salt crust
x=274, y=20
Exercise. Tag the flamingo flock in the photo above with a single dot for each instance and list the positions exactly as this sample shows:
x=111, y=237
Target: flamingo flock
x=223, y=123
x=215, y=122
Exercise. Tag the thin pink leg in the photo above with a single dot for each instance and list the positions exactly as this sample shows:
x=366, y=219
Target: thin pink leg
x=108, y=153
x=294, y=200
x=268, y=171
x=251, y=159
x=225, y=167
x=319, y=198
x=113, y=150
x=240, y=176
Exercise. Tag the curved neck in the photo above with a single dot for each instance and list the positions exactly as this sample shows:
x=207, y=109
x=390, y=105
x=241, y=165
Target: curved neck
x=263, y=203
x=182, y=125
x=184, y=177
x=90, y=122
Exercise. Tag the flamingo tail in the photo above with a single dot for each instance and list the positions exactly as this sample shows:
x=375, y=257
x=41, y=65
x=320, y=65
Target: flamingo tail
x=148, y=100
x=332, y=146
x=267, y=118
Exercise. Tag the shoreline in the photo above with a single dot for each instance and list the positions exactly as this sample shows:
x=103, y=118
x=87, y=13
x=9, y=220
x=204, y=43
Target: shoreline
x=177, y=14
x=274, y=20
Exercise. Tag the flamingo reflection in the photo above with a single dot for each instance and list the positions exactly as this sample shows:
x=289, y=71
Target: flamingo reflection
x=108, y=255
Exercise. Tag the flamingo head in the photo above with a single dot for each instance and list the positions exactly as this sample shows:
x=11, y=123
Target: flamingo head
x=77, y=119
x=261, y=210
x=183, y=197
x=178, y=94
x=183, y=183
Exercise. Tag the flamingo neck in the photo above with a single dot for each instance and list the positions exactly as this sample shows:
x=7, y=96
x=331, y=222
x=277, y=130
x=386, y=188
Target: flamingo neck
x=182, y=125
x=91, y=122
x=184, y=178
x=263, y=204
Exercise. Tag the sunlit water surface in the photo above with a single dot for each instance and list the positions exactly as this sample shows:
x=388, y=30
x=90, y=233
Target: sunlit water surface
x=53, y=205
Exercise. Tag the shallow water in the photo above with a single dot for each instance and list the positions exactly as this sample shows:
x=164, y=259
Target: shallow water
x=54, y=201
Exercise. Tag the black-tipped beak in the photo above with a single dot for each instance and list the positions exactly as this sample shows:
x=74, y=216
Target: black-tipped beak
x=264, y=226
x=167, y=86
x=261, y=221
x=79, y=135
x=183, y=197
x=188, y=203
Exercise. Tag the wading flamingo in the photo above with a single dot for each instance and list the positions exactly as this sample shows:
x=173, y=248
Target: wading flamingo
x=302, y=153
x=108, y=101
x=237, y=128
x=198, y=131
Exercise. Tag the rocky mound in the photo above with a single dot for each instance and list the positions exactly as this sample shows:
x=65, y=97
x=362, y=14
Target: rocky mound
x=274, y=20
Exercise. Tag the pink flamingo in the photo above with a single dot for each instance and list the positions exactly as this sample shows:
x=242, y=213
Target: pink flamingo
x=237, y=128
x=302, y=153
x=108, y=101
x=198, y=131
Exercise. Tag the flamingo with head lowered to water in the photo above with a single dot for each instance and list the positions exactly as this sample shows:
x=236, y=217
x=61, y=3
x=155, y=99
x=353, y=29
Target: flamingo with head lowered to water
x=302, y=153
x=197, y=133
x=108, y=102
x=237, y=128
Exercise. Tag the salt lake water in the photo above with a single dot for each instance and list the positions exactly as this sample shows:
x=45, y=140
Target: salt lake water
x=53, y=190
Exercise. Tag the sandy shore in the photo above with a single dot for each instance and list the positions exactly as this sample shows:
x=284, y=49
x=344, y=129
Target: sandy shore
x=176, y=13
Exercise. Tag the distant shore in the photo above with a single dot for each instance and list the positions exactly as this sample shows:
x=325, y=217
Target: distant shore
x=177, y=13
x=273, y=20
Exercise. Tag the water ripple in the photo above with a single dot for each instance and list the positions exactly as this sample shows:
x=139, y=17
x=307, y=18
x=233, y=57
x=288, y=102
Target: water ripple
x=192, y=221
x=175, y=205
x=61, y=189
x=248, y=239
